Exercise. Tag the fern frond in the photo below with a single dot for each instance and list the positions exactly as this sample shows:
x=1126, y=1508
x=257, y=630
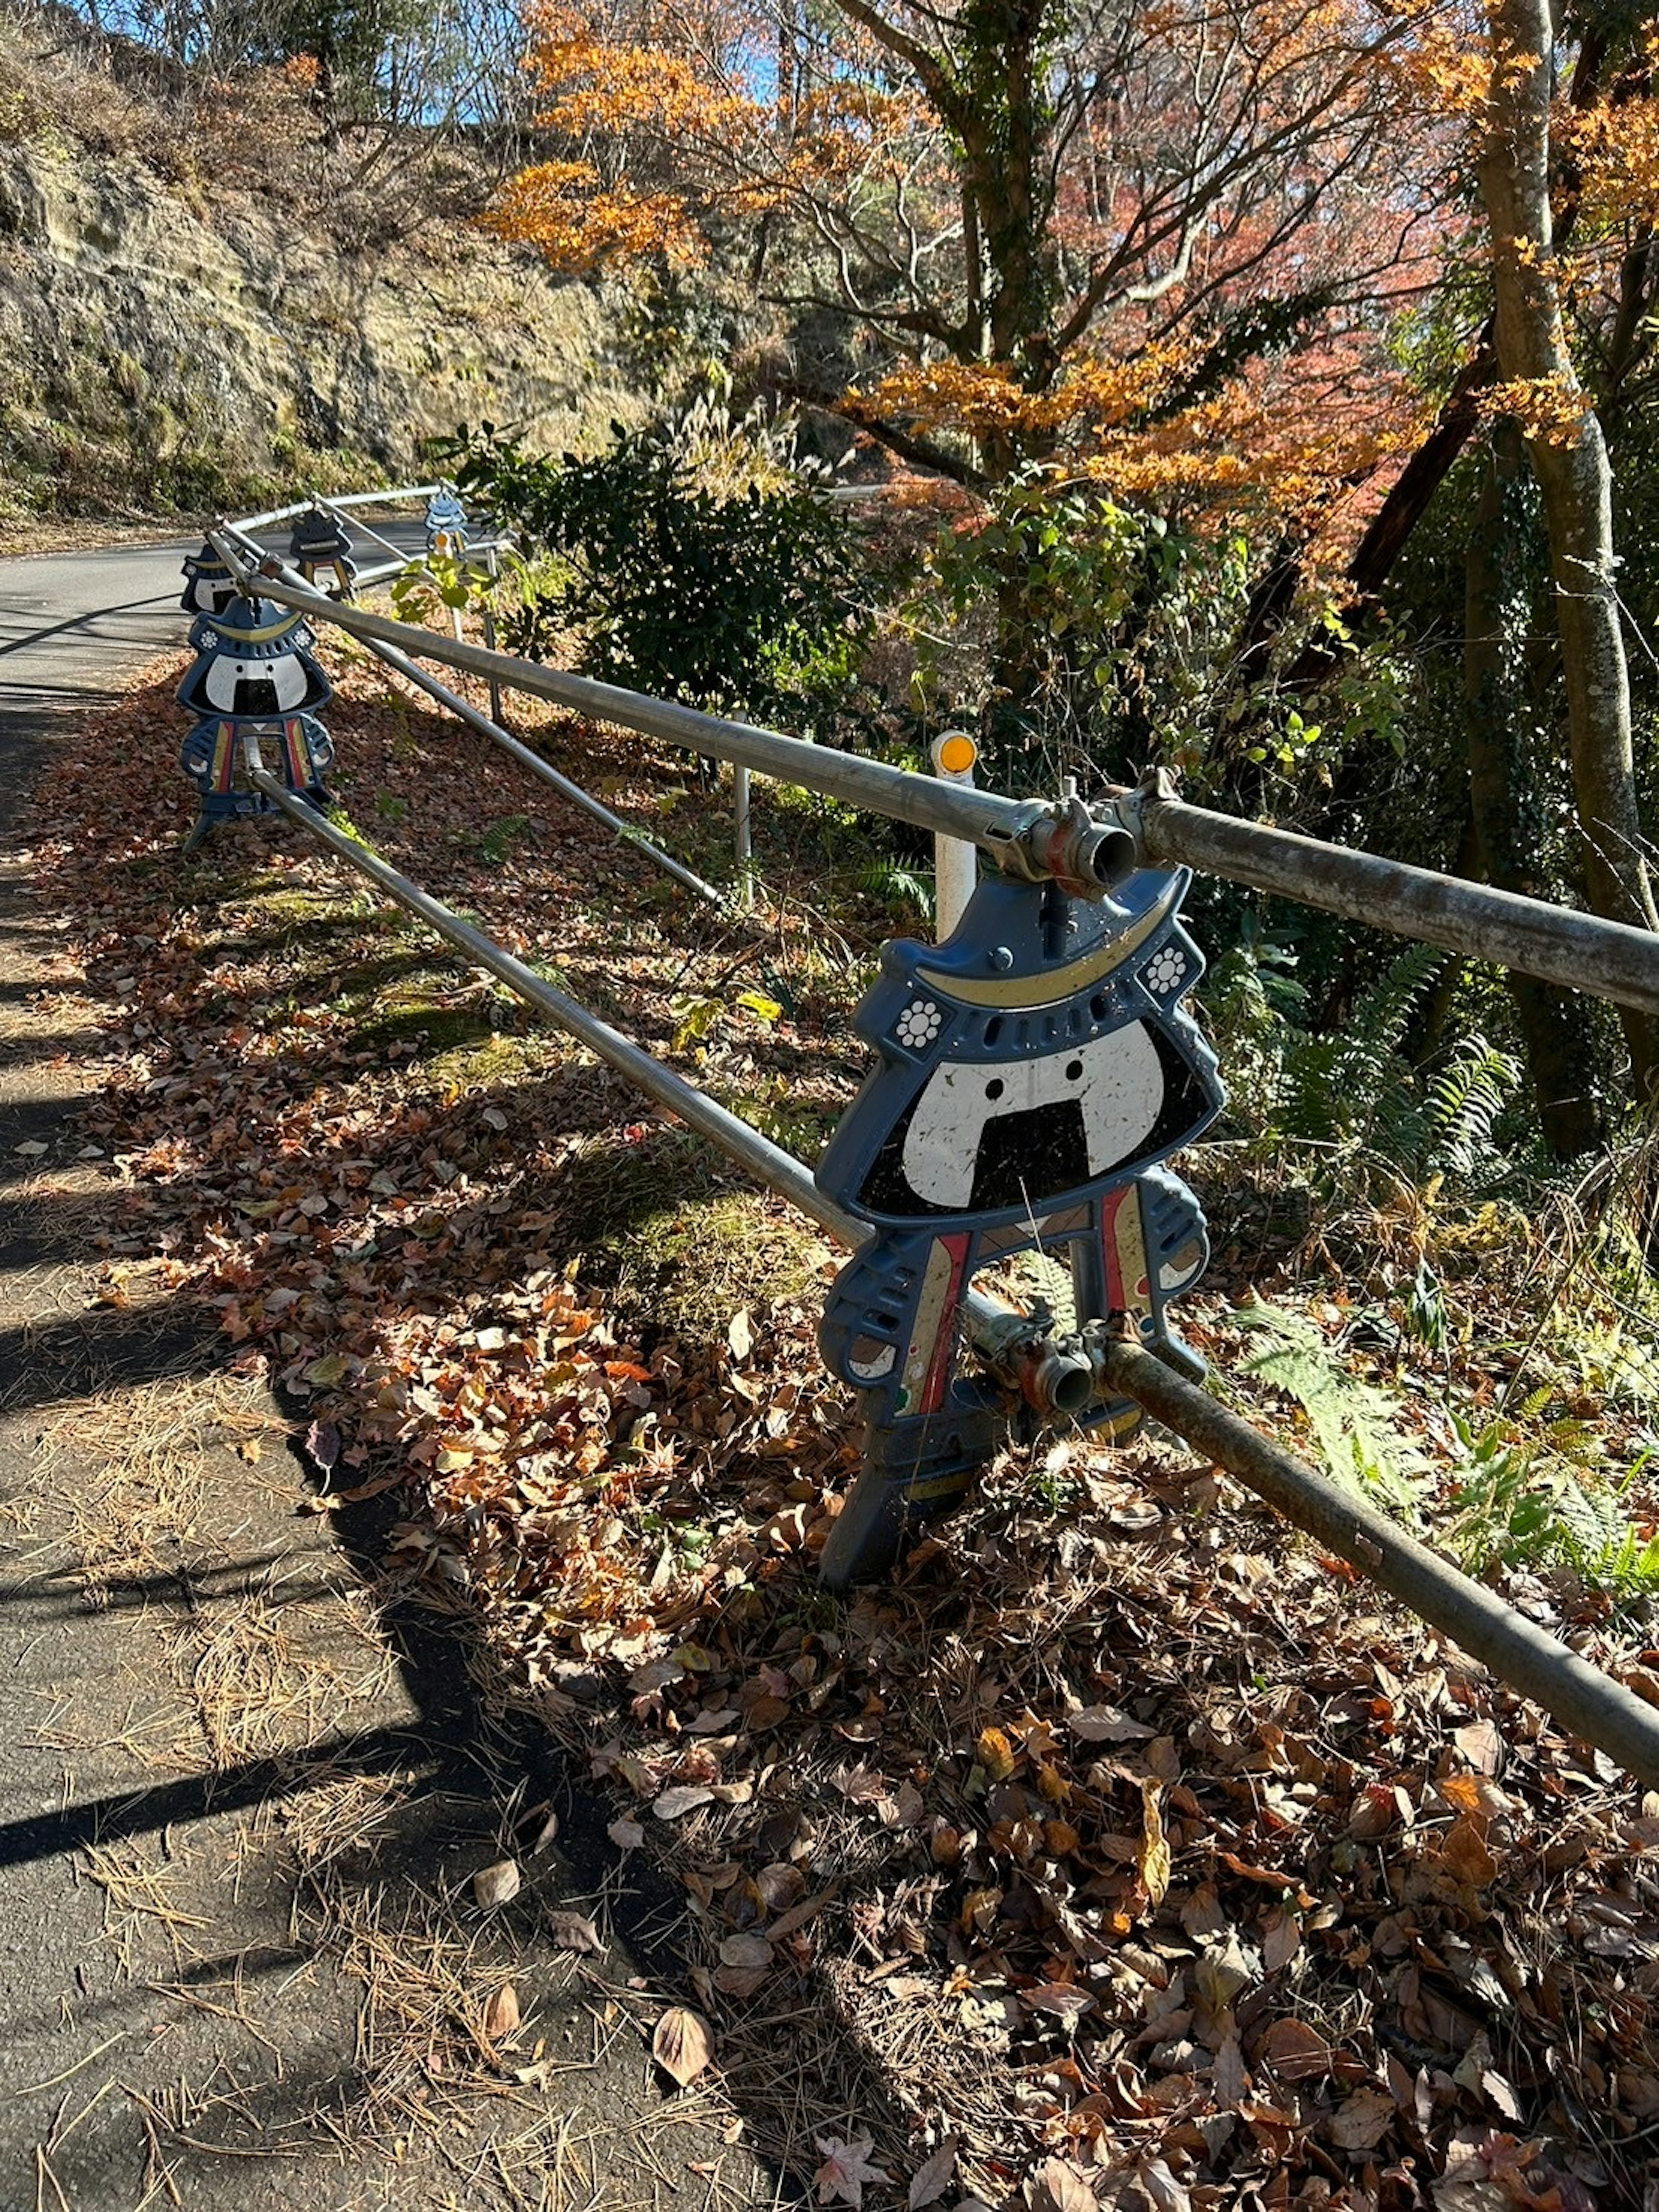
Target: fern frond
x=1355, y=1425
x=1465, y=1100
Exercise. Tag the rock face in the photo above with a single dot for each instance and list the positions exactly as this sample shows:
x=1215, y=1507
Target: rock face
x=166, y=352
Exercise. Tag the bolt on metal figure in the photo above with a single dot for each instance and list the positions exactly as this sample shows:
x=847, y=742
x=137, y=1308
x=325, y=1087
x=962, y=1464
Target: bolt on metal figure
x=1036, y=1070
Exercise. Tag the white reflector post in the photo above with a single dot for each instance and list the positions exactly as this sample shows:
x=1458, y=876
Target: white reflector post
x=956, y=863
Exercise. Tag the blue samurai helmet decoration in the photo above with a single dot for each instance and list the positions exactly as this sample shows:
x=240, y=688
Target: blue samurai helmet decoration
x=445, y=524
x=320, y=540
x=254, y=664
x=1035, y=1073
x=209, y=586
x=255, y=678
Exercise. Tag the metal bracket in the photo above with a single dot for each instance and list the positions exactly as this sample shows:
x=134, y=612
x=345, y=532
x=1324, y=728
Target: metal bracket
x=1087, y=851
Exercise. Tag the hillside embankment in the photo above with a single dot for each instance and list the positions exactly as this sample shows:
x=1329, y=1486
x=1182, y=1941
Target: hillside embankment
x=198, y=303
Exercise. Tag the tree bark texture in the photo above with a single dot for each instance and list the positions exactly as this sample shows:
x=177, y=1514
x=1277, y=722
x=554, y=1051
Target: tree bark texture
x=1570, y=466
x=1497, y=605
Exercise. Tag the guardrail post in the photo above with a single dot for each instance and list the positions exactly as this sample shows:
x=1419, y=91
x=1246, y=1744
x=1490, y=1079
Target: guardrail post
x=492, y=563
x=254, y=675
x=742, y=835
x=955, y=862
x=320, y=540
x=1035, y=1074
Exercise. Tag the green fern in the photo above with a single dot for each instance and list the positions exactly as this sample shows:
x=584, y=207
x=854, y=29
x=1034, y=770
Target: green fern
x=1544, y=1503
x=1357, y=1425
x=1465, y=1100
x=1356, y=1087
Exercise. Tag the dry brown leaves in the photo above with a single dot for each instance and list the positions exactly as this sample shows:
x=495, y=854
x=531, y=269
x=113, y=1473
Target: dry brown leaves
x=1148, y=1864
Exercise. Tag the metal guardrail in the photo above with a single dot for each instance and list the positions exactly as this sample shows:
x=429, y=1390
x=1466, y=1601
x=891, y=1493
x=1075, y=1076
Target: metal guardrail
x=1131, y=959
x=1088, y=850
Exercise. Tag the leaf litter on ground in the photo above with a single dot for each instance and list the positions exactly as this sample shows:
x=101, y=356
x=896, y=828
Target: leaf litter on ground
x=1135, y=1848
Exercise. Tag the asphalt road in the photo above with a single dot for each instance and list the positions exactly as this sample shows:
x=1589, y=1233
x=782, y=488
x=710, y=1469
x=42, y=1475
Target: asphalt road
x=180, y=2019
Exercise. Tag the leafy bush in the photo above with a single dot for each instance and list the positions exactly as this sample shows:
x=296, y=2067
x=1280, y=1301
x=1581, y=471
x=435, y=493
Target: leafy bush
x=1086, y=637
x=1355, y=1087
x=689, y=570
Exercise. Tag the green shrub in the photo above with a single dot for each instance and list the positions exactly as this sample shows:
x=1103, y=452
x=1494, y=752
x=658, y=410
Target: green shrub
x=681, y=573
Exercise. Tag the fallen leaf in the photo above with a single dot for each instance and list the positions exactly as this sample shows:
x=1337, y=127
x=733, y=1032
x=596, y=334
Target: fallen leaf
x=1106, y=1724
x=1165, y=2193
x=846, y=2169
x=323, y=1444
x=740, y=1334
x=929, y=2182
x=626, y=1835
x=994, y=1753
x=681, y=2045
x=1296, y=2050
x=495, y=1885
x=573, y=1931
x=746, y=1951
x=501, y=2013
x=1361, y=2121
x=1054, y=2186
x=1152, y=1859
x=675, y=1804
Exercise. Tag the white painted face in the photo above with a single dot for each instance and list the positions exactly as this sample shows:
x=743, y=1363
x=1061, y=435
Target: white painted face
x=286, y=671
x=1118, y=1079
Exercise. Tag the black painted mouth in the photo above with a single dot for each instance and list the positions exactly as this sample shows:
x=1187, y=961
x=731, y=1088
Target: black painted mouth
x=255, y=695
x=1036, y=1160
x=1024, y=1156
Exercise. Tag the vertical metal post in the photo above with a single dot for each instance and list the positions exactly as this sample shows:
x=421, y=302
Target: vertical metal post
x=956, y=863
x=740, y=826
x=493, y=565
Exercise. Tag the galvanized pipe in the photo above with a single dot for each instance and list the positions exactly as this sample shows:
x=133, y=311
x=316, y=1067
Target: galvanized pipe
x=1024, y=1356
x=983, y=817
x=1601, y=1711
x=466, y=712
x=1609, y=959
x=346, y=499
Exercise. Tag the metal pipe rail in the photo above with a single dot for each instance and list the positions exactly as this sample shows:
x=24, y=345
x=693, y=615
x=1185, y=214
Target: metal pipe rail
x=1028, y=1357
x=345, y=499
x=1610, y=959
x=1091, y=852
x=981, y=817
x=1596, y=1707
x=624, y=831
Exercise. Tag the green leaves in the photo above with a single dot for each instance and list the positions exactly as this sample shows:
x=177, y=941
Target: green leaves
x=677, y=579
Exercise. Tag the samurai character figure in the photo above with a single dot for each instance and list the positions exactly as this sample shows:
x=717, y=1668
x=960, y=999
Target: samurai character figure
x=254, y=676
x=1035, y=1072
x=446, y=525
x=209, y=586
x=320, y=540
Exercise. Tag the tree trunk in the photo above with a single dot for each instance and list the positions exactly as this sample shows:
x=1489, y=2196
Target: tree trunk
x=1569, y=459
x=1497, y=605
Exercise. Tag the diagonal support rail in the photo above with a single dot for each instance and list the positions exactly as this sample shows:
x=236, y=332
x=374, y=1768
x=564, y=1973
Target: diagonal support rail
x=1596, y=1707
x=320, y=603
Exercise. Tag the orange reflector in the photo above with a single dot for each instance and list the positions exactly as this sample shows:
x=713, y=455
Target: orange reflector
x=957, y=753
